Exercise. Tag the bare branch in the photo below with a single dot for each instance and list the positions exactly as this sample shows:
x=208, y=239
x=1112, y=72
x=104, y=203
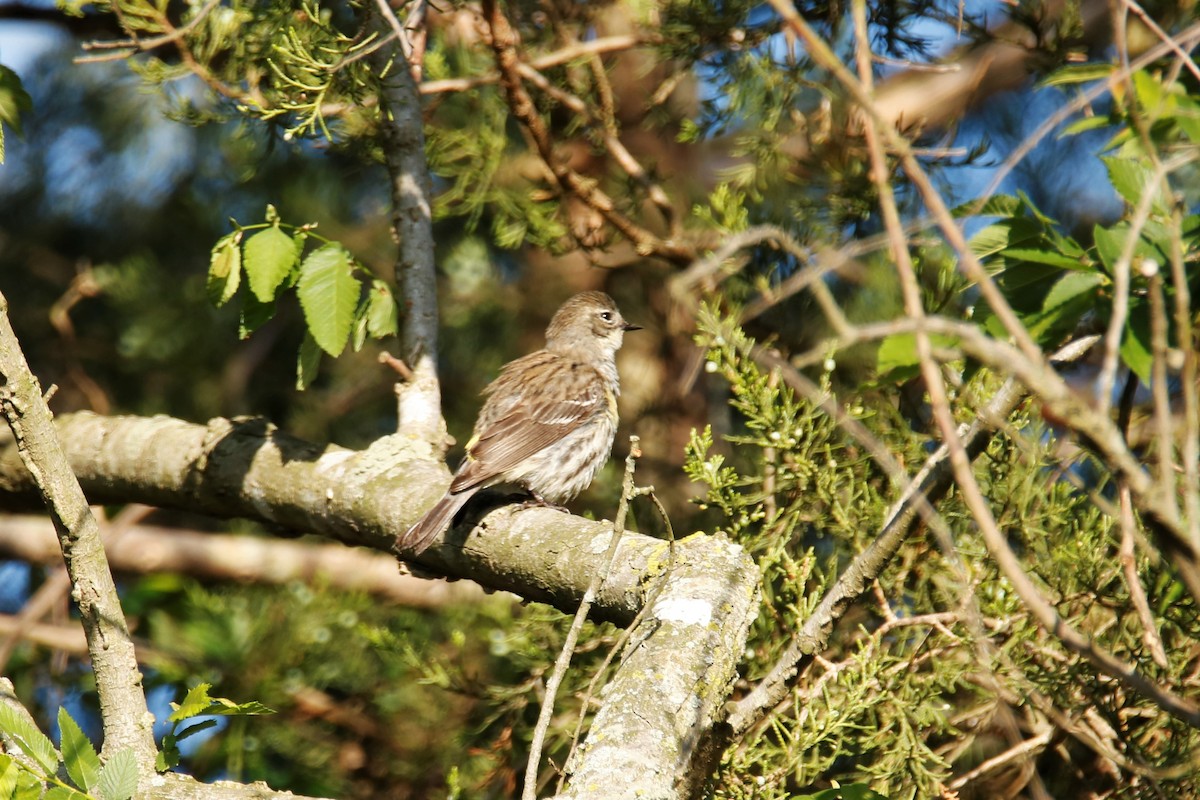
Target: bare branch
x=127, y=721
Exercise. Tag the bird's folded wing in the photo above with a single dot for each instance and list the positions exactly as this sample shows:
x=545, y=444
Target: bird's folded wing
x=531, y=418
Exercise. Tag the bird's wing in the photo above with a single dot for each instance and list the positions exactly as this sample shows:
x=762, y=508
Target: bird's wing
x=524, y=415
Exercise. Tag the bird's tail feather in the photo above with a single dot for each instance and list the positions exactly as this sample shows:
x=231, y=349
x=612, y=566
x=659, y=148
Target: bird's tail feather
x=417, y=539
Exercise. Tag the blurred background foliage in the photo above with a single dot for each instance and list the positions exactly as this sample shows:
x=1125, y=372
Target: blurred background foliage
x=128, y=171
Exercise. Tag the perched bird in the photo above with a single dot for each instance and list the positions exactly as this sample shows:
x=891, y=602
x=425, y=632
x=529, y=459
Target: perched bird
x=549, y=418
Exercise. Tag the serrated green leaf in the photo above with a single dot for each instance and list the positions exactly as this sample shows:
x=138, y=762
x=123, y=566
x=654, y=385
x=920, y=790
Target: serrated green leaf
x=8, y=776
x=307, y=362
x=224, y=269
x=64, y=793
x=118, y=777
x=192, y=730
x=998, y=205
x=1132, y=177
x=1070, y=298
x=1154, y=243
x=1003, y=234
x=1072, y=286
x=268, y=258
x=29, y=739
x=1149, y=91
x=168, y=757
x=29, y=787
x=196, y=702
x=1078, y=73
x=79, y=756
x=328, y=293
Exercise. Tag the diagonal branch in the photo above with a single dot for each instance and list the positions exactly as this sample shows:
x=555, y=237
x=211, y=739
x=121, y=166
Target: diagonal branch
x=128, y=724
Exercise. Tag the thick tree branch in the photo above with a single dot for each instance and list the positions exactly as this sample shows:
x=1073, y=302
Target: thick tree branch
x=694, y=636
x=403, y=140
x=248, y=469
x=128, y=724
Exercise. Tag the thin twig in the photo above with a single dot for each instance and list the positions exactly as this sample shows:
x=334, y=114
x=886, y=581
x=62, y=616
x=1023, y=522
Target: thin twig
x=620, y=644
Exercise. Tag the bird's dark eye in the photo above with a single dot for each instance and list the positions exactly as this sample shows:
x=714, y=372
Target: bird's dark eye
x=606, y=316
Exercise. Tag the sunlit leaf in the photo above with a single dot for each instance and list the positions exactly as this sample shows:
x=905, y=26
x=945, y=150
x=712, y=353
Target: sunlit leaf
x=8, y=776
x=118, y=777
x=268, y=258
x=27, y=737
x=328, y=293
x=1132, y=178
x=897, y=360
x=196, y=702
x=225, y=269
x=79, y=756
x=1084, y=124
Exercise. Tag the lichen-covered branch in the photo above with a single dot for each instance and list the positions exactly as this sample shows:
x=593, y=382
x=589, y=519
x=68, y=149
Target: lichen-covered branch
x=248, y=469
x=128, y=724
x=402, y=138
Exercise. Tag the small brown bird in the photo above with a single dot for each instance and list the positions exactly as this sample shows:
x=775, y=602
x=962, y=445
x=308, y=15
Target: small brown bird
x=549, y=419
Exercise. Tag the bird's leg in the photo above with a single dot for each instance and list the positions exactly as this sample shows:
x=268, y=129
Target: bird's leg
x=536, y=499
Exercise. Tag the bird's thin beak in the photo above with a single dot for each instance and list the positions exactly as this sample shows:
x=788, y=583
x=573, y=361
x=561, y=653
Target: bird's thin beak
x=629, y=326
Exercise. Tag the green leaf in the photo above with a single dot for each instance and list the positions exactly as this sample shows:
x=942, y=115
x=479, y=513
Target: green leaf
x=196, y=702
x=1132, y=177
x=225, y=269
x=1085, y=124
x=1046, y=256
x=118, y=777
x=1072, y=297
x=83, y=765
x=254, y=315
x=64, y=793
x=382, y=317
x=1154, y=243
x=1004, y=234
x=1135, y=344
x=192, y=730
x=897, y=360
x=328, y=294
x=29, y=739
x=1078, y=73
x=14, y=101
x=307, y=362
x=268, y=257
x=8, y=776
x=998, y=205
x=169, y=756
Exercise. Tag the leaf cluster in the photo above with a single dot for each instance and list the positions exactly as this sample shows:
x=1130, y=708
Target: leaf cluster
x=36, y=769
x=331, y=294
